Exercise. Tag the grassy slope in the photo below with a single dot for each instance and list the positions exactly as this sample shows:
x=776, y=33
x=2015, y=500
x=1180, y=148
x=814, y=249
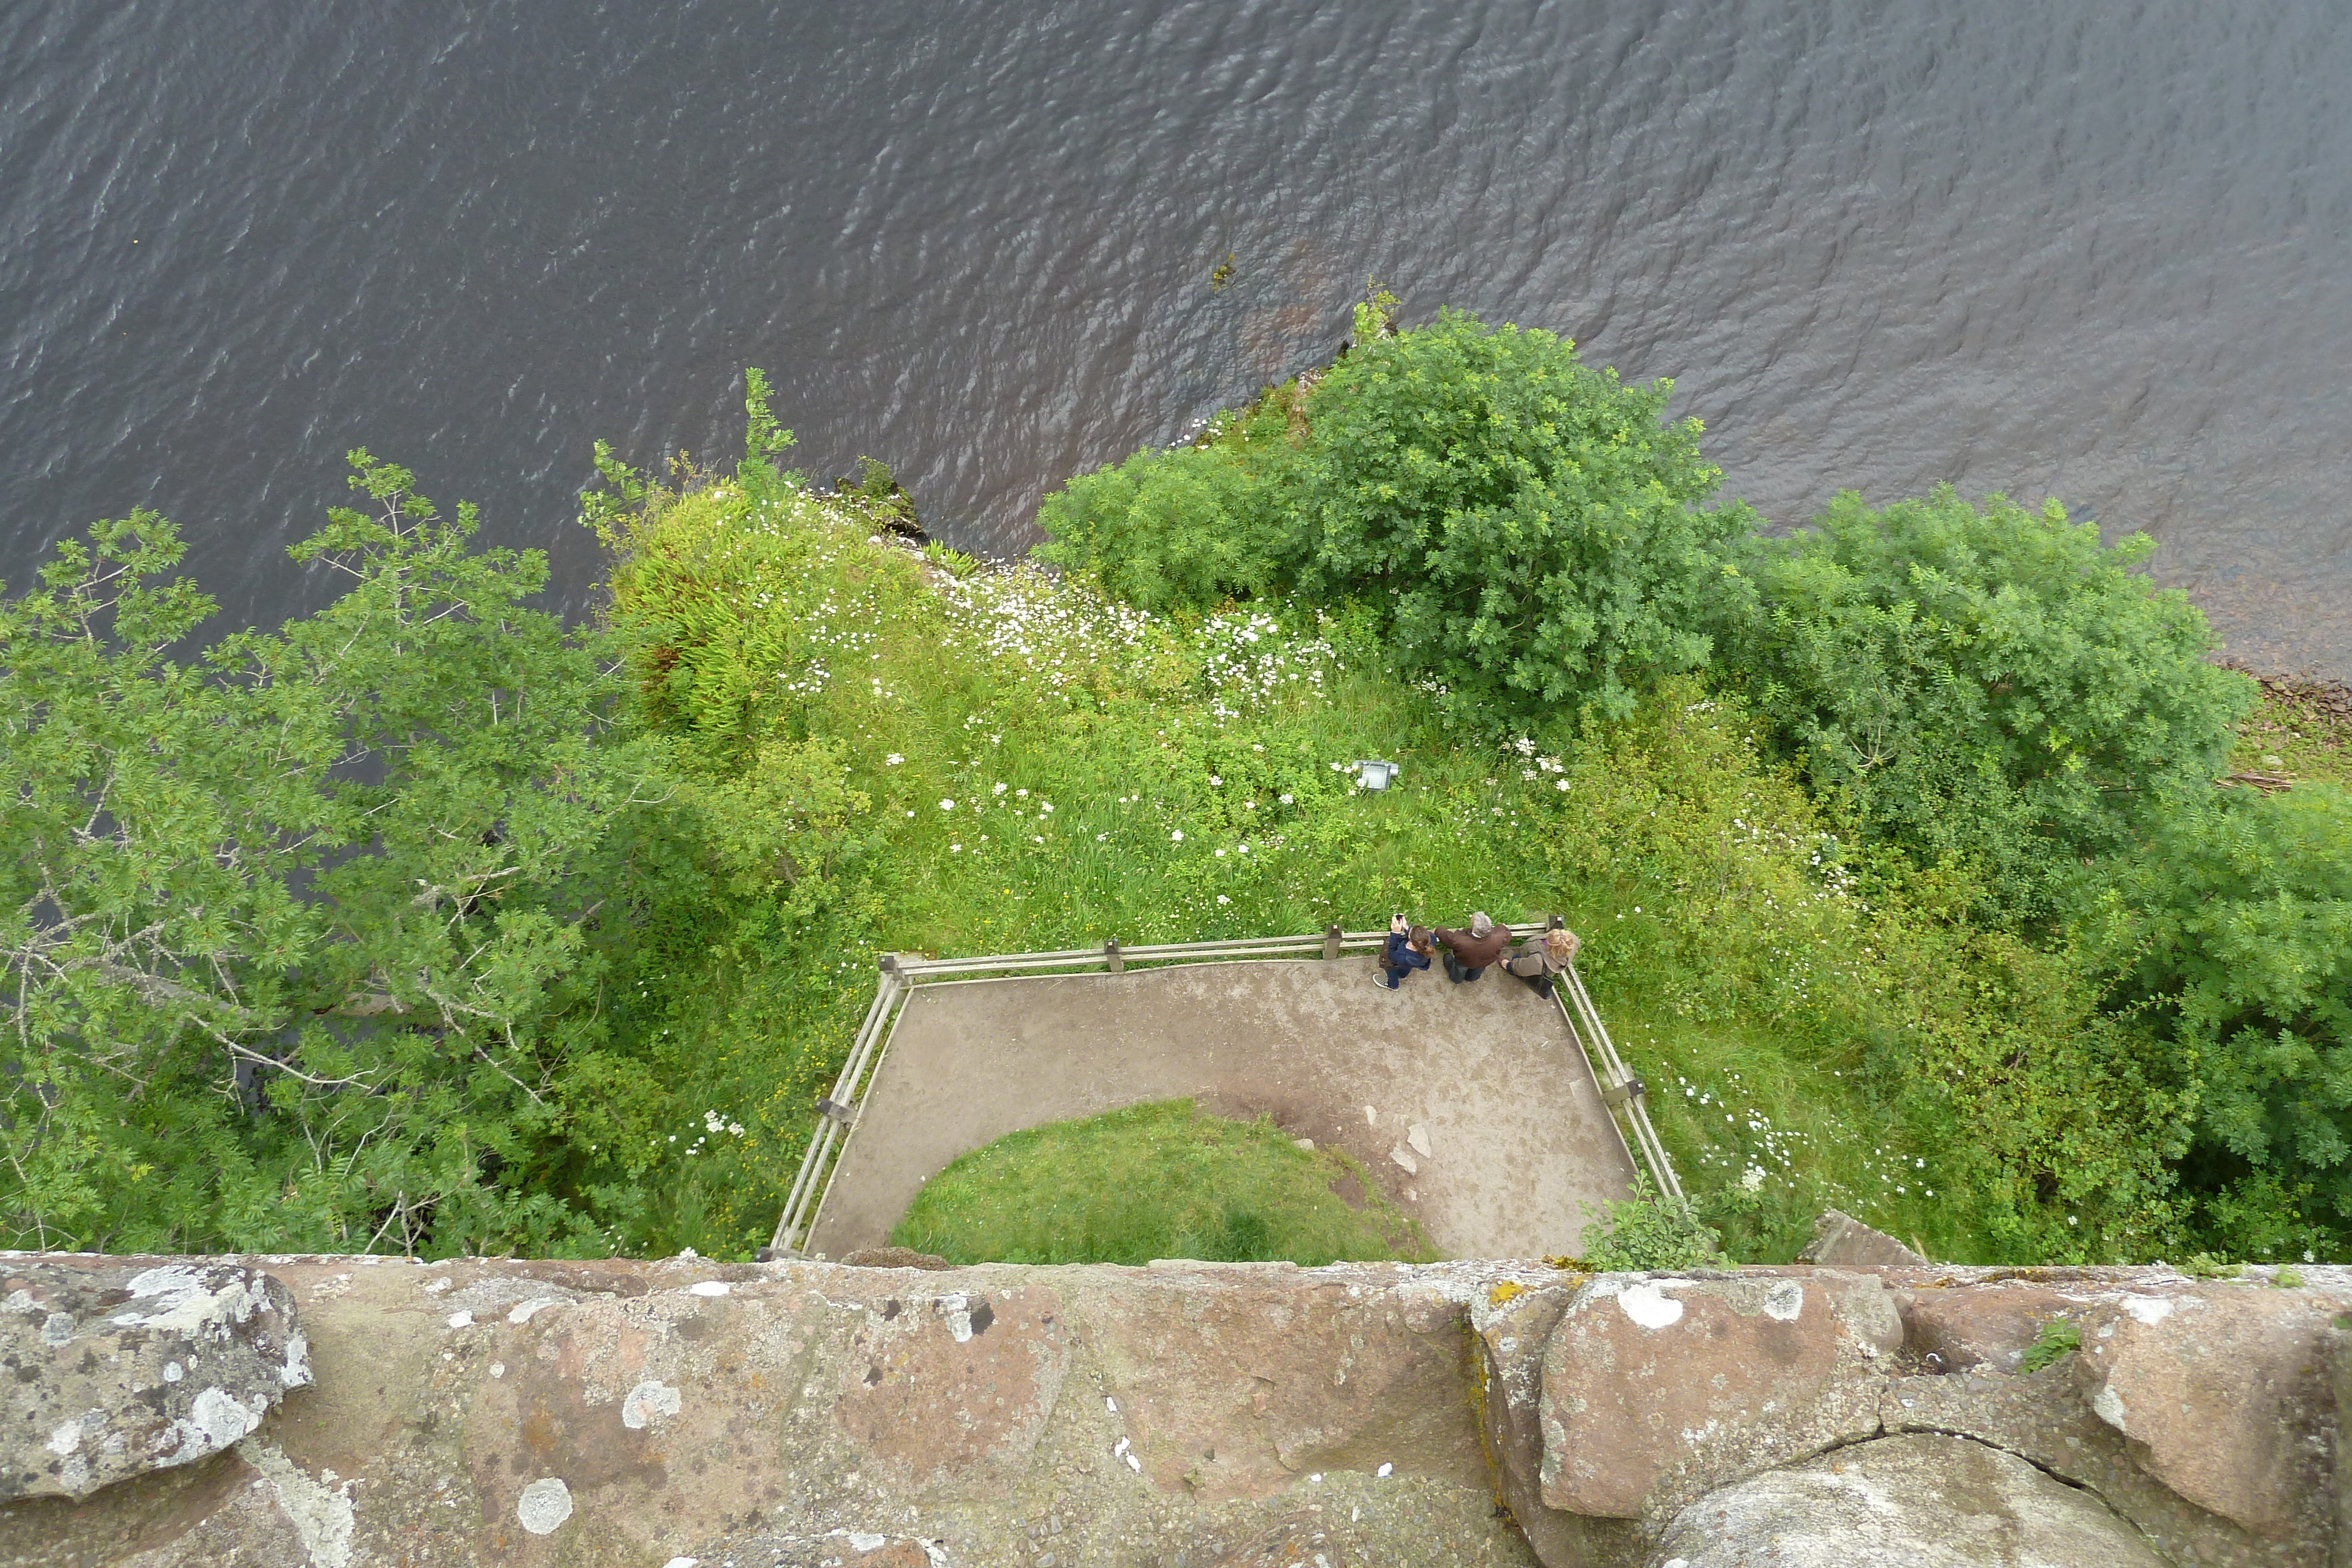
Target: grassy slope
x=1113, y=775
x=1155, y=1181
x=2298, y=732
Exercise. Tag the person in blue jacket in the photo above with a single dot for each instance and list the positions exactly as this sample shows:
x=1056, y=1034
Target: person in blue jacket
x=1408, y=949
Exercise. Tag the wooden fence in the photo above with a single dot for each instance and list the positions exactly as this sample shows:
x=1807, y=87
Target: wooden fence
x=838, y=1112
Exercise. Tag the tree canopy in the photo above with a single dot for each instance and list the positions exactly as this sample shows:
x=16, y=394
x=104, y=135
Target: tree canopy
x=294, y=929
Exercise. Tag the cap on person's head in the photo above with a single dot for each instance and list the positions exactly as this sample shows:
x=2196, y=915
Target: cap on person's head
x=1479, y=924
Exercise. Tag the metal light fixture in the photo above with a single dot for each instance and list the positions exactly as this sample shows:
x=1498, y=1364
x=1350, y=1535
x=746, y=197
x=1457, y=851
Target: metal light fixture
x=1376, y=775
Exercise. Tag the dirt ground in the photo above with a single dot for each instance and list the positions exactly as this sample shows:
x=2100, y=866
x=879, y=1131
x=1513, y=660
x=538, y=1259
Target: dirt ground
x=1520, y=1146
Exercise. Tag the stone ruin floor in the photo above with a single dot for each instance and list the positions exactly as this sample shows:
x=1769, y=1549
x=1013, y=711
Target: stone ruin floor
x=347, y=1412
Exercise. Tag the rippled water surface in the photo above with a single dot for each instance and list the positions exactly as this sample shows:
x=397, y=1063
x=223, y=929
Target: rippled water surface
x=2095, y=250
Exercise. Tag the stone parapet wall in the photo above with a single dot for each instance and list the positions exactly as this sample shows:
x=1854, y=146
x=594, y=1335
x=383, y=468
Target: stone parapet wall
x=638, y=1413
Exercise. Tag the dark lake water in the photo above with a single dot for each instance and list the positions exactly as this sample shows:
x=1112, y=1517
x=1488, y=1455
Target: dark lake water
x=2096, y=250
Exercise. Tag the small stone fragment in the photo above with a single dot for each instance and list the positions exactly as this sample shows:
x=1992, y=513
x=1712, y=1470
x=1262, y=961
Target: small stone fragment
x=1418, y=1136
x=1840, y=1237
x=127, y=1367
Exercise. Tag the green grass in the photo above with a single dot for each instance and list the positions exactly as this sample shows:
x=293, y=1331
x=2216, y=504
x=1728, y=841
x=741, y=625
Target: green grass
x=1156, y=1181
x=1812, y=1033
x=2294, y=732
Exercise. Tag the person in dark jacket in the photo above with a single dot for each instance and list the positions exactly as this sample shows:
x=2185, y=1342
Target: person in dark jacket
x=1407, y=950
x=1467, y=953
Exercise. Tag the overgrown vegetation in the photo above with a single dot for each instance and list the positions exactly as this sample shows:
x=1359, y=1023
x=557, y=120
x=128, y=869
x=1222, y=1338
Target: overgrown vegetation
x=1986, y=689
x=1903, y=880
x=1646, y=1231
x=2058, y=1339
x=1156, y=1181
x=297, y=936
x=1523, y=531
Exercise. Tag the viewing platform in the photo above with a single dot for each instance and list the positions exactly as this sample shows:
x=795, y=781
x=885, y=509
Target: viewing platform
x=1489, y=1113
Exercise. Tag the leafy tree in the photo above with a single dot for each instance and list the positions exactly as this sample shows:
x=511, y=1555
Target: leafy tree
x=1983, y=687
x=295, y=934
x=2233, y=936
x=1525, y=530
x=1529, y=527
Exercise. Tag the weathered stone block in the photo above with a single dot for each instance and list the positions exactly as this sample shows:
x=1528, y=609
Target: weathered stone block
x=1513, y=1323
x=1839, y=1238
x=2227, y=1395
x=1237, y=1380
x=1937, y=1501
x=1987, y=1326
x=112, y=1371
x=1711, y=1377
x=2042, y=1418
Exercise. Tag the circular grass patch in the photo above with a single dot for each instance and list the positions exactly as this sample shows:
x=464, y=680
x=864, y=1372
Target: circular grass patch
x=1158, y=1180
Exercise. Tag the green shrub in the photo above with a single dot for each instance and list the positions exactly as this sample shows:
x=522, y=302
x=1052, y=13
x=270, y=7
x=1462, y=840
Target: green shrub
x=1528, y=529
x=1648, y=1231
x=2233, y=941
x=2058, y=1339
x=1185, y=527
x=1524, y=530
x=1988, y=690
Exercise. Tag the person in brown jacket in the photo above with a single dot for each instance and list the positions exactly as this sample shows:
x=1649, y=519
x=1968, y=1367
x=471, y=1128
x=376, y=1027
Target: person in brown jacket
x=1467, y=953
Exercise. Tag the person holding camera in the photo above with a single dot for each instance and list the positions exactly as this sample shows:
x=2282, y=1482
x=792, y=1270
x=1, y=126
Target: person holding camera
x=1408, y=949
